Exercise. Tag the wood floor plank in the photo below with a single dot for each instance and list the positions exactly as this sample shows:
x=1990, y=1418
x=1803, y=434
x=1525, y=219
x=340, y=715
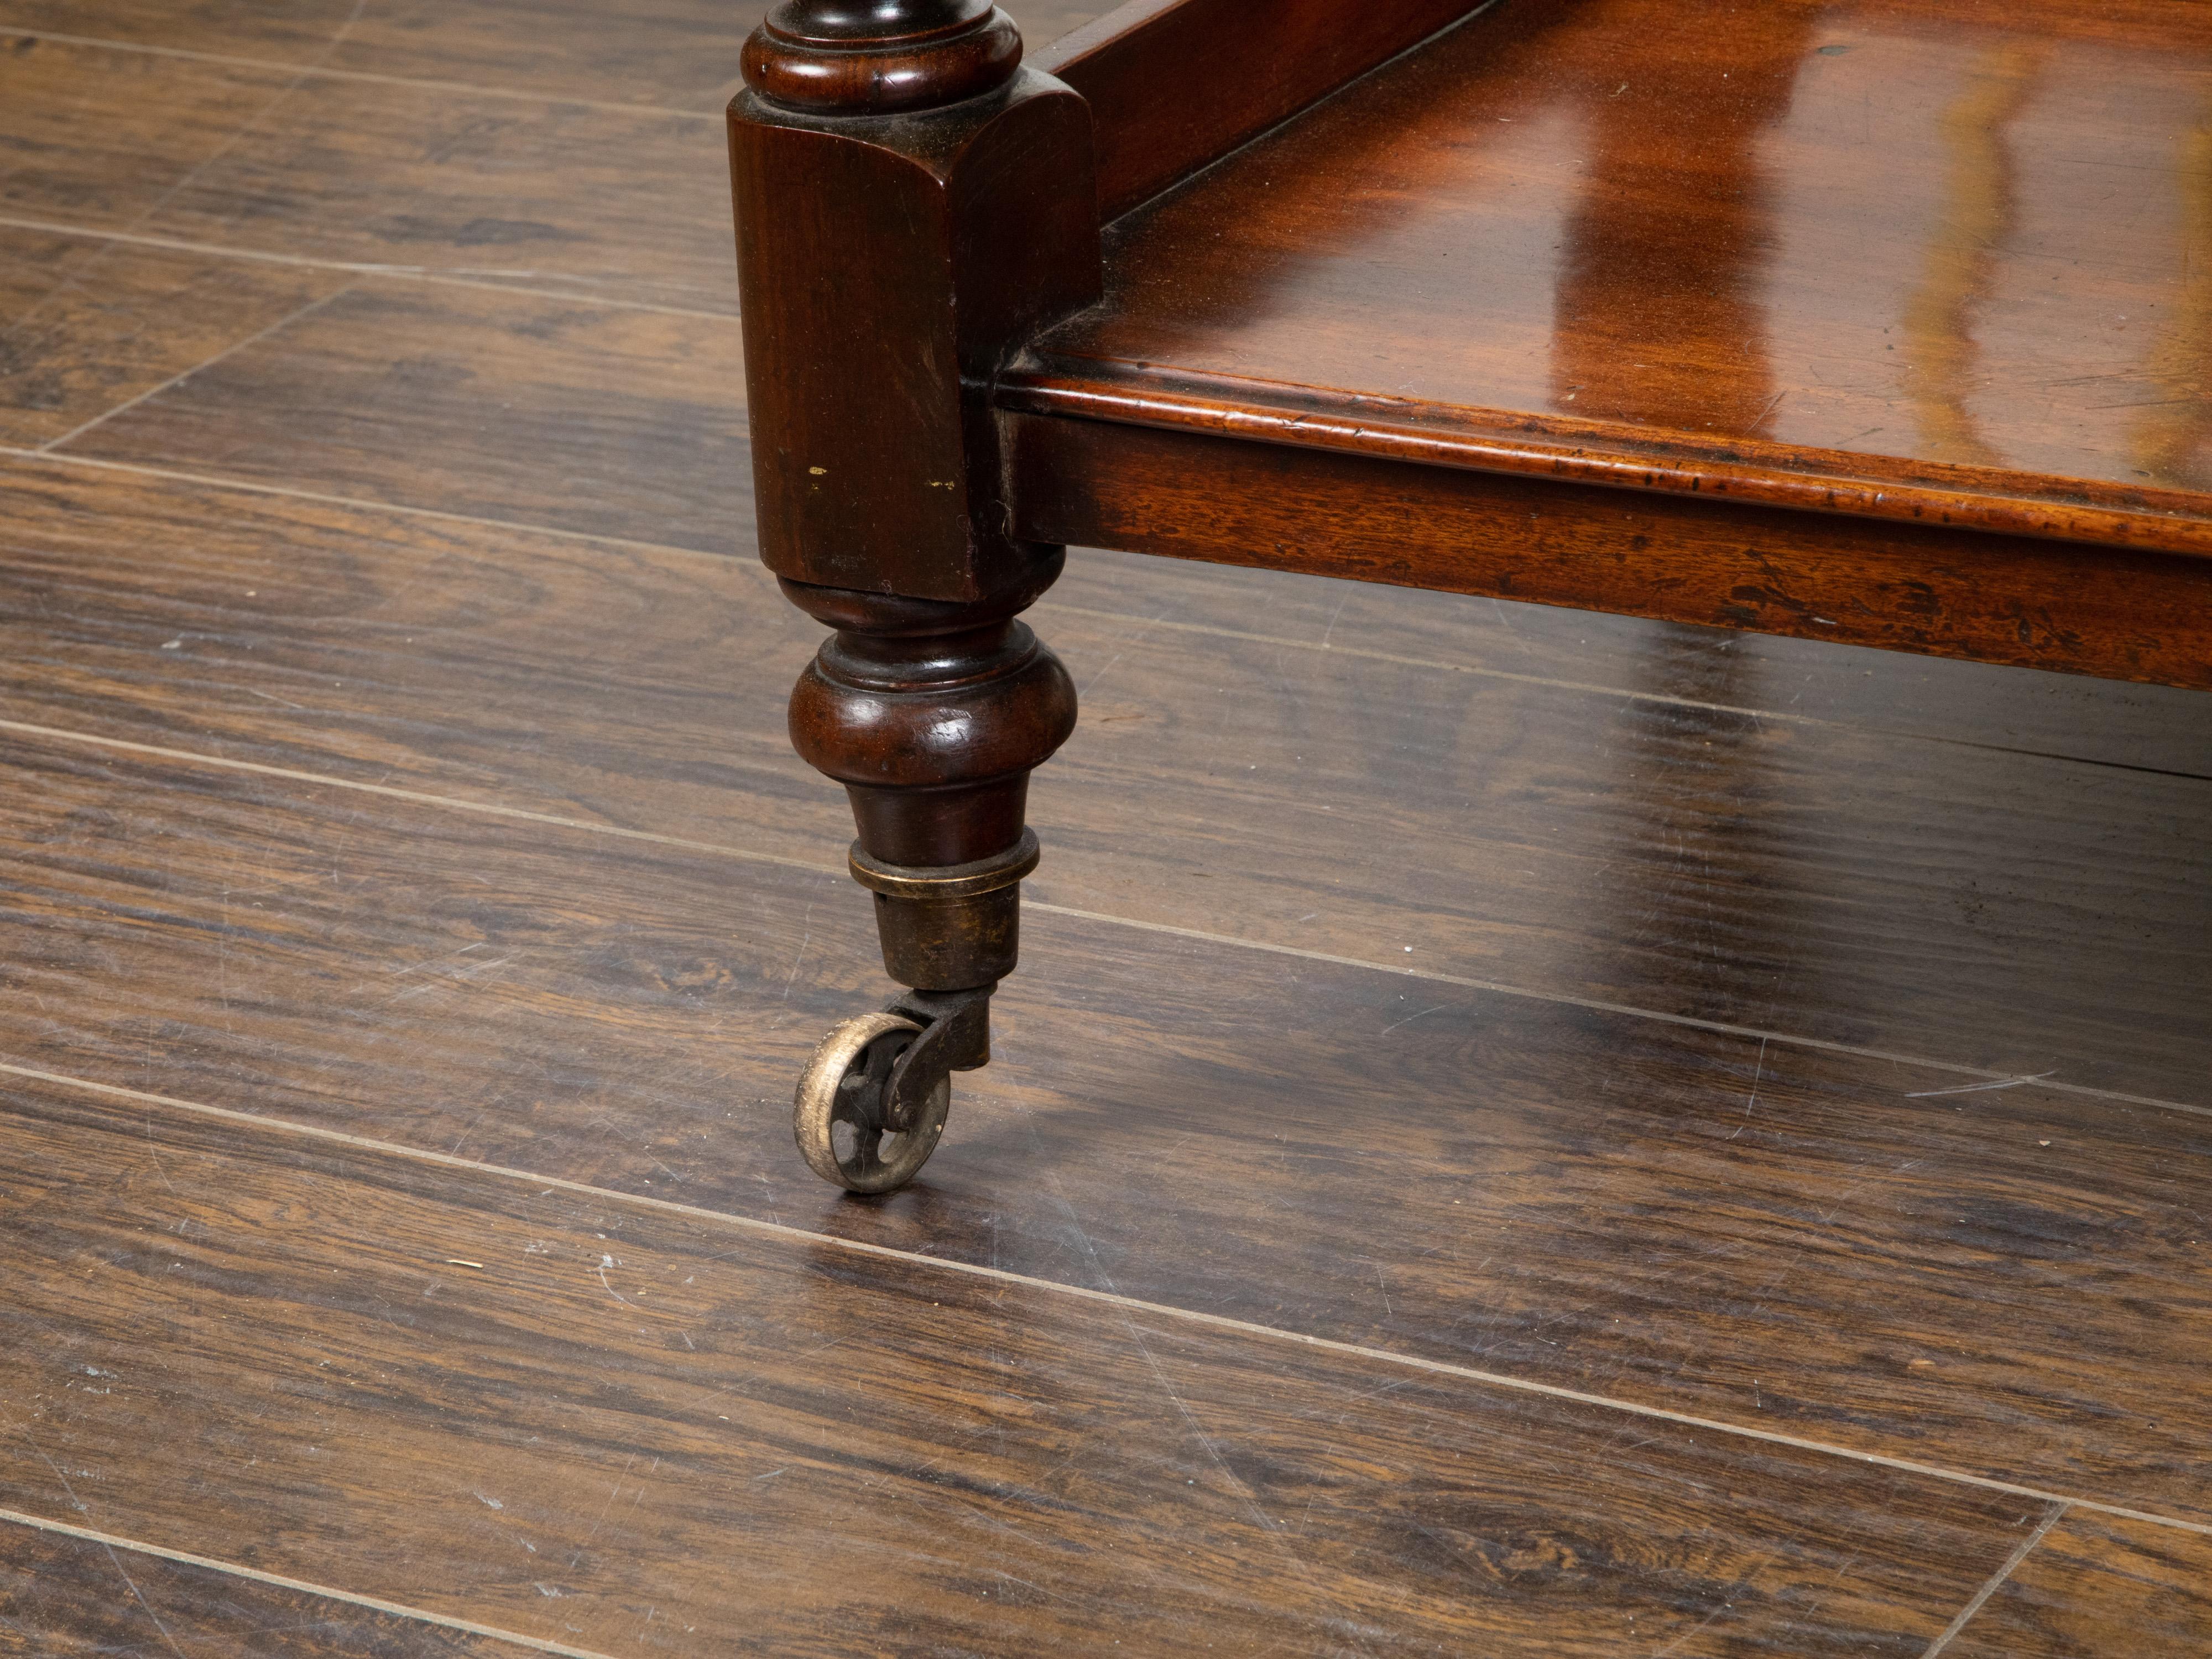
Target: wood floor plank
x=2100, y=1585
x=2010, y=1282
x=341, y=403
x=1976, y=907
x=87, y=325
x=636, y=1432
x=1703, y=864
x=65, y=1597
x=411, y=651
x=294, y=33
x=628, y=204
x=679, y=53
x=98, y=138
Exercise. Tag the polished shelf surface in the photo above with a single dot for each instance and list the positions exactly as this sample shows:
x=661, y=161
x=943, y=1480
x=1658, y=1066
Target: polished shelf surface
x=1931, y=259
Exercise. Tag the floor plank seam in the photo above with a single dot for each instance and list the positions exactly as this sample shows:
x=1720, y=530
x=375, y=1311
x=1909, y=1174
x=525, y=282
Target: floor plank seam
x=313, y=69
x=419, y=797
x=1992, y=1080
x=1365, y=653
x=306, y=1587
x=235, y=346
x=460, y=278
x=362, y=504
x=1986, y=1078
x=1126, y=1304
x=1995, y=1580
x=253, y=121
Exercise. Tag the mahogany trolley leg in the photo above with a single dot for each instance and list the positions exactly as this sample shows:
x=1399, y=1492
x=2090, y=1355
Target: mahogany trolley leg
x=930, y=715
x=911, y=204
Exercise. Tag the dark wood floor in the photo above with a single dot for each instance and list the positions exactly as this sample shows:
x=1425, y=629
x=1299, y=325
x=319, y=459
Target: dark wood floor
x=1519, y=1133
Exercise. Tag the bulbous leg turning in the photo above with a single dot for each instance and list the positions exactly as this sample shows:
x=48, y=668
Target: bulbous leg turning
x=931, y=714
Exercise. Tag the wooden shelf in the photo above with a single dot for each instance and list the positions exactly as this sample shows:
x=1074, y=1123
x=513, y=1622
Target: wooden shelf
x=1941, y=261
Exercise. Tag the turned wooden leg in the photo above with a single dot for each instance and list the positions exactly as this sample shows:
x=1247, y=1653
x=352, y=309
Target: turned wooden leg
x=911, y=206
x=931, y=714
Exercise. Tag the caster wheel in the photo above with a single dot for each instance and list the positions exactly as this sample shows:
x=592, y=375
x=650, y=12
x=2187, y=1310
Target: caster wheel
x=844, y=1097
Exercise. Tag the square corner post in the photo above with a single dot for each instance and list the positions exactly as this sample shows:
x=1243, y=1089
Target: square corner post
x=912, y=205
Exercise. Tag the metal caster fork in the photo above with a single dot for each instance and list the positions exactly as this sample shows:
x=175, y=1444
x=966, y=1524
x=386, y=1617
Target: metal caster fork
x=871, y=1103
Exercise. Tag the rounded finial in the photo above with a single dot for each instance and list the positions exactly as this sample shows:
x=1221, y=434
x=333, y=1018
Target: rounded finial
x=879, y=56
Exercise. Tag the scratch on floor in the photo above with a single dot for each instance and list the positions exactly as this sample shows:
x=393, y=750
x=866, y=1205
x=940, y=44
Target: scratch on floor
x=1410, y=1018
x=806, y=935
x=267, y=697
x=605, y=1263
x=139, y=1596
x=83, y=1508
x=1343, y=599
x=1269, y=1529
x=1981, y=1088
x=1758, y=1071
x=613, y=1492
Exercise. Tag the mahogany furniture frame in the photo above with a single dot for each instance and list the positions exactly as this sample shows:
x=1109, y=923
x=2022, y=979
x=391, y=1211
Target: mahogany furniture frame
x=919, y=215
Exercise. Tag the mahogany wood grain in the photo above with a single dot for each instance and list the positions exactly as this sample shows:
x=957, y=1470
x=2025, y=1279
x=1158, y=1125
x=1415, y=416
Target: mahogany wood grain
x=892, y=252
x=65, y=1597
x=1861, y=262
x=1175, y=84
x=2006, y=1282
x=1910, y=493
x=2099, y=1584
x=1687, y=557
x=1672, y=855
x=90, y=325
x=911, y=204
x=625, y=1430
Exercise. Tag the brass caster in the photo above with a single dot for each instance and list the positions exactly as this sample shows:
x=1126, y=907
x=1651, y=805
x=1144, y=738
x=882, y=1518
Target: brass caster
x=844, y=1118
